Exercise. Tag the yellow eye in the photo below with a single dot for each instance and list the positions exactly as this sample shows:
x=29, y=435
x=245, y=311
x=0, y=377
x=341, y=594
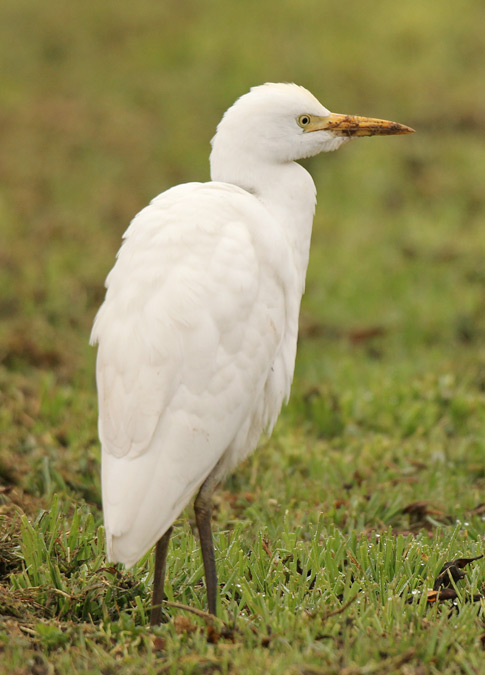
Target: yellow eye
x=304, y=121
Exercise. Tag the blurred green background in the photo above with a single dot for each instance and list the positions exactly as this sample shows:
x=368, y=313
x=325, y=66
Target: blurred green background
x=105, y=105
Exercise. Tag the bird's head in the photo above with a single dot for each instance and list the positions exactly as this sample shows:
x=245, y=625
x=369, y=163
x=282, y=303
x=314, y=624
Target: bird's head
x=278, y=123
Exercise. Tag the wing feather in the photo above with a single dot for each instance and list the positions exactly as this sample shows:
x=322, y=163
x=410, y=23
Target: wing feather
x=193, y=318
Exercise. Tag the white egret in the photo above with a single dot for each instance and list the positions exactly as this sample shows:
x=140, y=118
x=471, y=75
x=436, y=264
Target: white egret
x=197, y=334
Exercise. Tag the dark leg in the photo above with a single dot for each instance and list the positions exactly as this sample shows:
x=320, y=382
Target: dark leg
x=161, y=549
x=203, y=512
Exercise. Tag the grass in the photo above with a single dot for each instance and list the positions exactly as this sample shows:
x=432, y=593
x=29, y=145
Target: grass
x=330, y=535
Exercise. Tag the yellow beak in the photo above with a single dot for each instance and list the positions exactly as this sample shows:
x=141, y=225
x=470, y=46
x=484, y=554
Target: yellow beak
x=352, y=125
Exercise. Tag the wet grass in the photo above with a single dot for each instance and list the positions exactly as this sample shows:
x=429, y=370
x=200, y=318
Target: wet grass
x=328, y=537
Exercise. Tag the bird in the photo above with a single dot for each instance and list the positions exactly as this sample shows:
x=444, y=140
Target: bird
x=197, y=334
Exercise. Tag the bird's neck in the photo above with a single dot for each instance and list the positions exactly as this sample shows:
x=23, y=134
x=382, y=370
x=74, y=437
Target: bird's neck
x=288, y=193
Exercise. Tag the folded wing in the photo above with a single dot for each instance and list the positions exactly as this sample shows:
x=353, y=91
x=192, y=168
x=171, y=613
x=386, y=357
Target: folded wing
x=192, y=323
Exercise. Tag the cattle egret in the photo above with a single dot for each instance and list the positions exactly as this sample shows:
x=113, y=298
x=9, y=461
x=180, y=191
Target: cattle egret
x=197, y=334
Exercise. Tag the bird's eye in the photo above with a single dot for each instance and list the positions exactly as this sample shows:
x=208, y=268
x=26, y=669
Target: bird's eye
x=304, y=121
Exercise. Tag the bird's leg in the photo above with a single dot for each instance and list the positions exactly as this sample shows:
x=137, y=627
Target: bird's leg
x=203, y=512
x=161, y=549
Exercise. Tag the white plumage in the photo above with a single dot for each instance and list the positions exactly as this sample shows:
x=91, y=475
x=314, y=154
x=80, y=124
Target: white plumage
x=195, y=357
x=197, y=334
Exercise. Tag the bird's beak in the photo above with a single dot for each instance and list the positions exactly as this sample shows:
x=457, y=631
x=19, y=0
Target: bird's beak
x=353, y=125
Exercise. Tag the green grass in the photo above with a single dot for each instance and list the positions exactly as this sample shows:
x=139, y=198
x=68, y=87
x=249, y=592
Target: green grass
x=103, y=106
